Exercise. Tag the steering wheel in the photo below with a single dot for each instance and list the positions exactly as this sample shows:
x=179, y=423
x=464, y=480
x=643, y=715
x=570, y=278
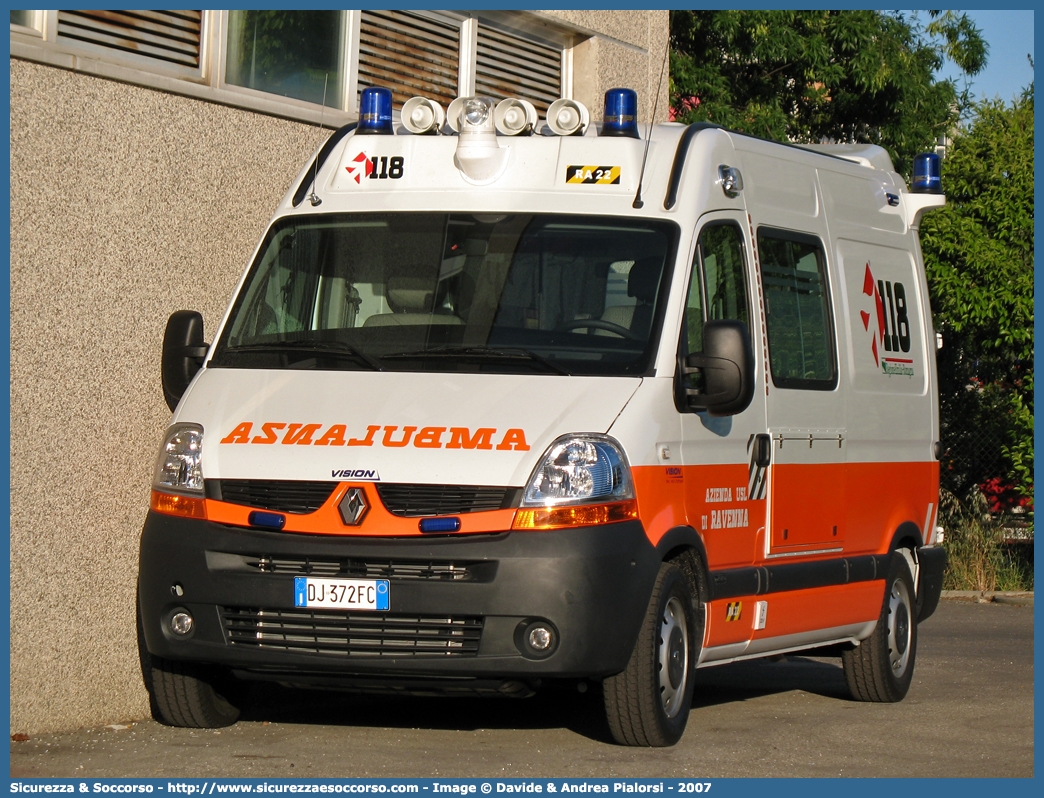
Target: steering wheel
x=599, y=324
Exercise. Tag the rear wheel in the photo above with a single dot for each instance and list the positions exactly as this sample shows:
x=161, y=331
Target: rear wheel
x=648, y=704
x=881, y=668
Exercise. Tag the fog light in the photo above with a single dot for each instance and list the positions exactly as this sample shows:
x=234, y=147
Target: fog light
x=540, y=638
x=536, y=638
x=181, y=623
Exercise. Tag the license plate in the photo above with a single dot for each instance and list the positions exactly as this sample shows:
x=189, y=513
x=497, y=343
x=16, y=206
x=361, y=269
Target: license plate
x=342, y=594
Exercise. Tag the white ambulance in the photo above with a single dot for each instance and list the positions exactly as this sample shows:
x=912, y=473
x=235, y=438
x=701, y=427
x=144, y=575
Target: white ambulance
x=502, y=401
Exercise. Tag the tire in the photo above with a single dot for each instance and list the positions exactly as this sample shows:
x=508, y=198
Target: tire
x=880, y=669
x=648, y=704
x=191, y=696
x=185, y=694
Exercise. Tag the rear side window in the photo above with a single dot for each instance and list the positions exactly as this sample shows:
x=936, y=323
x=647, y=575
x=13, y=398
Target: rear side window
x=797, y=305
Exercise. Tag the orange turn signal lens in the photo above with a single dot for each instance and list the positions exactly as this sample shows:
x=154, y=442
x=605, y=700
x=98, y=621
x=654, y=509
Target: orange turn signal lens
x=581, y=515
x=185, y=506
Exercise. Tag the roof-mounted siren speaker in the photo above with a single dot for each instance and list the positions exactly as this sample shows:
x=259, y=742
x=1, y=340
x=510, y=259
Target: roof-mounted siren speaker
x=375, y=111
x=515, y=117
x=621, y=113
x=927, y=174
x=568, y=118
x=453, y=111
x=421, y=115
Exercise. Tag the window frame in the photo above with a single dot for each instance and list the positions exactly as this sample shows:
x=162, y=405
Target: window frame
x=40, y=44
x=822, y=262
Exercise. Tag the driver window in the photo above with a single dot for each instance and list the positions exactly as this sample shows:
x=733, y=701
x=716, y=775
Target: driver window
x=718, y=285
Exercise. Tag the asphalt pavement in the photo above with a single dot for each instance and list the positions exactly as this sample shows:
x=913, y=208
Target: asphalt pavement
x=969, y=713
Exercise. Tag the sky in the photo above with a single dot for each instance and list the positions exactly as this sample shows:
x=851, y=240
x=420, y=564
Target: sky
x=1007, y=73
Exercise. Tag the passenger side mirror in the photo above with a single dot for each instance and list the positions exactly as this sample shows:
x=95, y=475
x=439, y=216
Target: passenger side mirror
x=183, y=353
x=727, y=365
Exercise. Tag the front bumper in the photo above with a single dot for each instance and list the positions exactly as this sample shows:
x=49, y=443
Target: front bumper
x=458, y=603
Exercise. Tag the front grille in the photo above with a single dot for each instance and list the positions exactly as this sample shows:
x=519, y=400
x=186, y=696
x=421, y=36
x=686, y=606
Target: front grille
x=421, y=500
x=281, y=495
x=352, y=634
x=352, y=568
x=408, y=501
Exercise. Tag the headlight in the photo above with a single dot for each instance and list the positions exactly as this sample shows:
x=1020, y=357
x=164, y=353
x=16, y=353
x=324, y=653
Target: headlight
x=580, y=469
x=178, y=467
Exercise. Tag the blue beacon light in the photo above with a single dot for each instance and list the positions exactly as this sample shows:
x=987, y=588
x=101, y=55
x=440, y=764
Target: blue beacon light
x=927, y=178
x=621, y=113
x=269, y=520
x=441, y=524
x=375, y=111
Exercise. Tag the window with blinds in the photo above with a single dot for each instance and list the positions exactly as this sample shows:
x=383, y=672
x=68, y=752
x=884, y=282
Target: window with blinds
x=510, y=66
x=171, y=37
x=284, y=62
x=410, y=55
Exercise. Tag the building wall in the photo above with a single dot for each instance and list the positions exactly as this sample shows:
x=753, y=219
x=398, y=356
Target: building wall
x=127, y=204
x=626, y=49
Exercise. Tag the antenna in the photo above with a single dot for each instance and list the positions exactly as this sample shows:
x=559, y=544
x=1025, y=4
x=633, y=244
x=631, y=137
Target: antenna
x=638, y=203
x=313, y=197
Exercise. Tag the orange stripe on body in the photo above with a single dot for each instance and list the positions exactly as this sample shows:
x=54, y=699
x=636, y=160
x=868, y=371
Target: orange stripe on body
x=881, y=496
x=676, y=496
x=795, y=612
x=875, y=498
x=866, y=501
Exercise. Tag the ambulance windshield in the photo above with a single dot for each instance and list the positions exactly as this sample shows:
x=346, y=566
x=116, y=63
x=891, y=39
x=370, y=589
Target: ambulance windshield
x=507, y=293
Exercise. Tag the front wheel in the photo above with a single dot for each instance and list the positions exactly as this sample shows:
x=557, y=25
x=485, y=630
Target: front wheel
x=190, y=695
x=881, y=668
x=185, y=694
x=648, y=704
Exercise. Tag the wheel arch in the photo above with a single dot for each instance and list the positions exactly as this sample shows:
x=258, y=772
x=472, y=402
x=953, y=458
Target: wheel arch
x=906, y=540
x=907, y=536
x=684, y=547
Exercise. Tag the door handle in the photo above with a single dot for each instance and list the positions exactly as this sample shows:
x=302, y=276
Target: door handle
x=762, y=450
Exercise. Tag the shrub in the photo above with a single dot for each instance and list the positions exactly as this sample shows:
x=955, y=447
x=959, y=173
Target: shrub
x=975, y=540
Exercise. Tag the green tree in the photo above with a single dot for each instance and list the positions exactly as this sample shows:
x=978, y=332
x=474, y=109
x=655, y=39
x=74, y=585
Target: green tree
x=979, y=255
x=847, y=76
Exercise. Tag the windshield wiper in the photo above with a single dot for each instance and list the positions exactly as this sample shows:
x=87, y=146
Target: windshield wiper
x=506, y=353
x=325, y=348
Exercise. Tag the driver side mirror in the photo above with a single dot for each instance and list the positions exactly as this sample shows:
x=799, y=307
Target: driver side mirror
x=727, y=365
x=183, y=353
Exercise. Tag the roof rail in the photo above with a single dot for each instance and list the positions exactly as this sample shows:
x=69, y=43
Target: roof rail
x=820, y=150
x=679, y=160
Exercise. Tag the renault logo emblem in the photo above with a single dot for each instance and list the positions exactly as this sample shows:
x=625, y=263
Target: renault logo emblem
x=353, y=506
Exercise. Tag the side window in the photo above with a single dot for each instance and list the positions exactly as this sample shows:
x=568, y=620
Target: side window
x=719, y=259
x=797, y=306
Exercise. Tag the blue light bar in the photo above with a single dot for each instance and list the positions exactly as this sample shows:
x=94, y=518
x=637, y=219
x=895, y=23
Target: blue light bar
x=621, y=113
x=927, y=177
x=269, y=520
x=439, y=524
x=375, y=111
